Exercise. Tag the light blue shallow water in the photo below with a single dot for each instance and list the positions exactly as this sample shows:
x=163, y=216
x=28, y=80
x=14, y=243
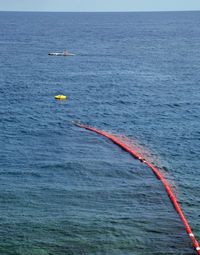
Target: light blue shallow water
x=67, y=191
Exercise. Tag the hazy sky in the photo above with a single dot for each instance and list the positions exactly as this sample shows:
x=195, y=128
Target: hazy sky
x=99, y=5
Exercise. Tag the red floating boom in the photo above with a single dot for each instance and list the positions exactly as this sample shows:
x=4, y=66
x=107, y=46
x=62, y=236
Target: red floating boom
x=169, y=192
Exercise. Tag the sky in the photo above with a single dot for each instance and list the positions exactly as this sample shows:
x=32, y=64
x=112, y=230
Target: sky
x=99, y=5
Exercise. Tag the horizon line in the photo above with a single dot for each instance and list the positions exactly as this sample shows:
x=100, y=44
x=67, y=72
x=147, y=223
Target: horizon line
x=100, y=11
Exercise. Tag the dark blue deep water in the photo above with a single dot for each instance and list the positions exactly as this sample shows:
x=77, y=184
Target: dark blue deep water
x=67, y=191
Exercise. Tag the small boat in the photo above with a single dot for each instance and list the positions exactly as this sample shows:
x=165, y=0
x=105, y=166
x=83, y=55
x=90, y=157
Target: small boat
x=65, y=53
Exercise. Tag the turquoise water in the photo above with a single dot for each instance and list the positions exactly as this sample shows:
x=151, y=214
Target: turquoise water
x=67, y=191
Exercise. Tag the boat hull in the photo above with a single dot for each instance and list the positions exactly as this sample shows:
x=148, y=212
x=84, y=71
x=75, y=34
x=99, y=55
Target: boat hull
x=61, y=54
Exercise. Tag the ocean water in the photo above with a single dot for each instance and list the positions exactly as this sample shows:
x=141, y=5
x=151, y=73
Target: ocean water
x=65, y=190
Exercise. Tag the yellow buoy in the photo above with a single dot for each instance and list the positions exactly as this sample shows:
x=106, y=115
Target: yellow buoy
x=60, y=97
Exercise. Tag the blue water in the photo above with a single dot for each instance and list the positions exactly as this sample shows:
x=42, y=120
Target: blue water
x=65, y=190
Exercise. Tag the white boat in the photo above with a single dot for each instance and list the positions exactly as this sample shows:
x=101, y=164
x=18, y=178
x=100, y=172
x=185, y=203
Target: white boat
x=65, y=53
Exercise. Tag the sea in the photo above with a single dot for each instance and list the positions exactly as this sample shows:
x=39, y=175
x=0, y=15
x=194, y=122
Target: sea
x=68, y=191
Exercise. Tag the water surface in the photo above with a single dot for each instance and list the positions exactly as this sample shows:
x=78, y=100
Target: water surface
x=67, y=191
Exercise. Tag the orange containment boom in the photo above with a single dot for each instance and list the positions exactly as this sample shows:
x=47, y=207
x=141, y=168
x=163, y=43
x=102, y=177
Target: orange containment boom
x=156, y=172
